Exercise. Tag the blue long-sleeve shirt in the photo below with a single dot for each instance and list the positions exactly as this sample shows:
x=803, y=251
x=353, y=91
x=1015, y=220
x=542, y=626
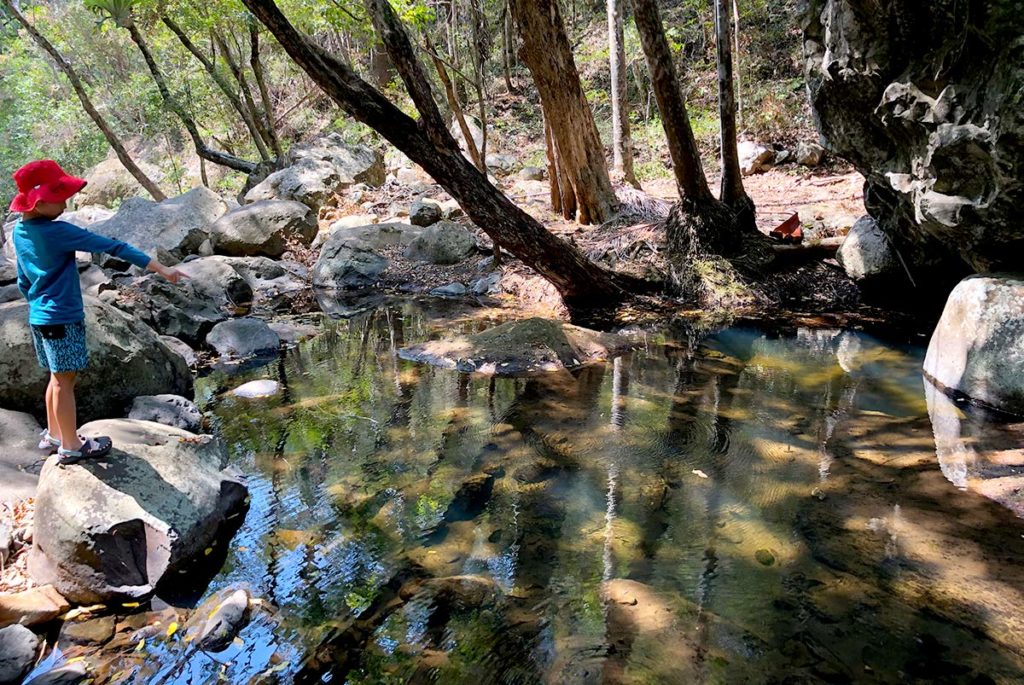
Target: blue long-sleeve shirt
x=47, y=273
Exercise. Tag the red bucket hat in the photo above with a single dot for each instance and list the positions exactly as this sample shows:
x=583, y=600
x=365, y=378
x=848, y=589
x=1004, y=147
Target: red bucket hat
x=43, y=181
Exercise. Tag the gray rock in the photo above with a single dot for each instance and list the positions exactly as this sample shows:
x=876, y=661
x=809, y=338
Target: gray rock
x=809, y=154
x=500, y=163
x=68, y=674
x=977, y=348
x=181, y=348
x=941, y=157
x=257, y=389
x=19, y=647
x=320, y=169
x=87, y=215
x=487, y=285
x=110, y=182
x=345, y=222
x=292, y=332
x=19, y=434
x=268, y=279
x=10, y=293
x=475, y=132
x=443, y=243
x=450, y=209
x=6, y=536
x=177, y=226
x=126, y=359
x=519, y=348
x=450, y=290
x=170, y=410
x=217, y=621
x=241, y=338
x=531, y=173
x=347, y=263
x=113, y=529
x=377, y=236
x=263, y=228
x=865, y=253
x=754, y=158
x=9, y=270
x=424, y=212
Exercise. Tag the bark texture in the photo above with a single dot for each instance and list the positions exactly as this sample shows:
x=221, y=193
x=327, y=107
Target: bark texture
x=548, y=55
x=429, y=143
x=622, y=143
x=732, y=192
x=76, y=84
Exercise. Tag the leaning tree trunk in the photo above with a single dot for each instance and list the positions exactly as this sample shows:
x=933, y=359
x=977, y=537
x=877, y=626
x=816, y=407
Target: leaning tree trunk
x=732, y=192
x=698, y=223
x=622, y=145
x=222, y=83
x=76, y=84
x=429, y=143
x=548, y=55
x=453, y=103
x=172, y=103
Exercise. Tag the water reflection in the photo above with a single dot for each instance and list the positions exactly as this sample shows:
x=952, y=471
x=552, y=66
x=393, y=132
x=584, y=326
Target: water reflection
x=755, y=507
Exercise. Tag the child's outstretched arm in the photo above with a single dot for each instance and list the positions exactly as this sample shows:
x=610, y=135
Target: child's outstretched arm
x=75, y=238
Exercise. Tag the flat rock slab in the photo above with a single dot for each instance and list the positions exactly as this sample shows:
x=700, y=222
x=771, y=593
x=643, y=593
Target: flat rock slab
x=113, y=528
x=520, y=348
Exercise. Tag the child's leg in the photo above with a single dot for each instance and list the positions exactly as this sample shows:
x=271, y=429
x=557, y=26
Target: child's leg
x=64, y=409
x=51, y=415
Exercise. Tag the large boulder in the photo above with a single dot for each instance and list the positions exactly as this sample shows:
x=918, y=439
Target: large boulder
x=865, y=253
x=241, y=338
x=126, y=359
x=175, y=227
x=346, y=262
x=445, y=242
x=924, y=99
x=977, y=349
x=376, y=236
x=87, y=215
x=320, y=169
x=263, y=228
x=19, y=435
x=520, y=348
x=155, y=507
x=110, y=182
x=187, y=310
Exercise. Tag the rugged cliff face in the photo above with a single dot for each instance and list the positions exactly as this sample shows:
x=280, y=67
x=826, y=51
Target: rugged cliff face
x=926, y=99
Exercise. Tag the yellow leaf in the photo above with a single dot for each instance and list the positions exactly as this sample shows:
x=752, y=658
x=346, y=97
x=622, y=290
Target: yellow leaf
x=141, y=646
x=238, y=642
x=172, y=629
x=208, y=551
x=130, y=605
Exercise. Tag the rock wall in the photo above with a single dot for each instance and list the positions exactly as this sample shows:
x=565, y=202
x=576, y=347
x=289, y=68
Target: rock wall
x=927, y=101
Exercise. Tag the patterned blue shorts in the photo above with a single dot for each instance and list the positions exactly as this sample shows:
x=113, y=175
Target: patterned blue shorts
x=61, y=347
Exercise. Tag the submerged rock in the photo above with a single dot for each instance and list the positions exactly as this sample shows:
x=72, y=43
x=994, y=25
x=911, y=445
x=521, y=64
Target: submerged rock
x=218, y=620
x=256, y=389
x=18, y=649
x=520, y=347
x=977, y=349
x=114, y=528
x=170, y=410
x=126, y=359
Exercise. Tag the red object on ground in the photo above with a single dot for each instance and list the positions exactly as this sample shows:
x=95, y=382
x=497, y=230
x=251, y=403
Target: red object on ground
x=789, y=231
x=43, y=181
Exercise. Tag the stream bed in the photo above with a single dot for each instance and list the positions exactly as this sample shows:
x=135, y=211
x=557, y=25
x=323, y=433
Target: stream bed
x=750, y=506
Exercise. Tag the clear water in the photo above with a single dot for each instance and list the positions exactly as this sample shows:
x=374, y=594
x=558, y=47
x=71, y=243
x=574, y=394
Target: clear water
x=743, y=508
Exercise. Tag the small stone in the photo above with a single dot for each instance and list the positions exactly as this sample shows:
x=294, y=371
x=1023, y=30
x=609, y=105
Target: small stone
x=241, y=338
x=531, y=173
x=257, y=389
x=18, y=649
x=764, y=557
x=93, y=631
x=424, y=213
x=809, y=154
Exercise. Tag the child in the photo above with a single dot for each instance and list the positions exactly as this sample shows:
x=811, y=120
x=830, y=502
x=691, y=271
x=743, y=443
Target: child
x=48, y=278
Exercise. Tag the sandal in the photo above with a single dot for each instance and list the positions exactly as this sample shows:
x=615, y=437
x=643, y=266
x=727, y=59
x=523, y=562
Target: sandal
x=50, y=443
x=92, y=448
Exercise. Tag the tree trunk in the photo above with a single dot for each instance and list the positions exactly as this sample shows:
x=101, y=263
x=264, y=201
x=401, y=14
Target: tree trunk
x=547, y=54
x=622, y=145
x=202, y=149
x=429, y=143
x=222, y=83
x=732, y=192
x=506, y=48
x=76, y=84
x=261, y=82
x=681, y=144
x=453, y=102
x=235, y=66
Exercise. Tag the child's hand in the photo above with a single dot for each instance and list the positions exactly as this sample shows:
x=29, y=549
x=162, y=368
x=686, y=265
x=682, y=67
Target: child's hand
x=173, y=275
